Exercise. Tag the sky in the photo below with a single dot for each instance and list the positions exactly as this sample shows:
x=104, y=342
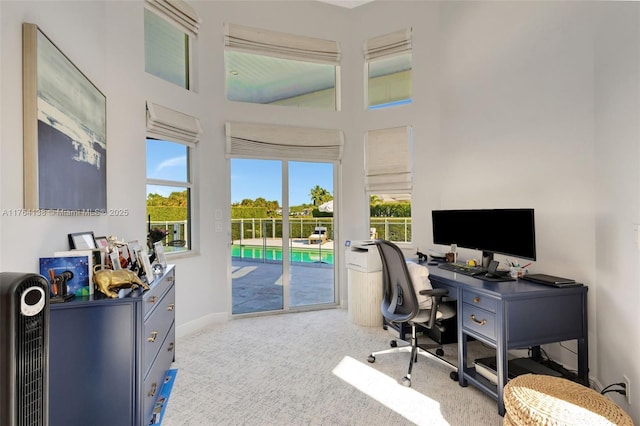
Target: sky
x=249, y=178
x=263, y=178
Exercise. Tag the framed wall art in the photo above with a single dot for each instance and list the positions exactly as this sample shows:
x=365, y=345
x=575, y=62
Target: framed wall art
x=65, y=143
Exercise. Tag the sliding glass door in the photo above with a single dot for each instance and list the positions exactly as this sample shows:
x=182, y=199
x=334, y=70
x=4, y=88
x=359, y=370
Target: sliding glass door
x=282, y=235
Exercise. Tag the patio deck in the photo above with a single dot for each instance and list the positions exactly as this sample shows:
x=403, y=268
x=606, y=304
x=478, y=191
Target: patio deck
x=257, y=284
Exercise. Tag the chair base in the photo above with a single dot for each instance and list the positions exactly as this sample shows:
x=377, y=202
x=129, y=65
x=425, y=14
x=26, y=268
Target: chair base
x=414, y=350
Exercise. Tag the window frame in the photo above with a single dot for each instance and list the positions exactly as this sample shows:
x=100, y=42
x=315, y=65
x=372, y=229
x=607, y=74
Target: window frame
x=188, y=185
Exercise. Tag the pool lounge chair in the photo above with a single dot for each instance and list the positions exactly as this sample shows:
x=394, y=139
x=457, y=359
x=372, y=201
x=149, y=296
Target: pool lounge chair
x=319, y=235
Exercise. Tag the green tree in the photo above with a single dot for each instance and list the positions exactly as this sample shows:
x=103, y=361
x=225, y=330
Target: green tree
x=320, y=195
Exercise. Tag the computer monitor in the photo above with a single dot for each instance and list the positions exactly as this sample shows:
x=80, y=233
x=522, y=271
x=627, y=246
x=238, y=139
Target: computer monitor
x=510, y=232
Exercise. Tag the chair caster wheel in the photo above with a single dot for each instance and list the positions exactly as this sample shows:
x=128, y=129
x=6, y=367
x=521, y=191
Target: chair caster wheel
x=439, y=352
x=454, y=376
x=393, y=343
x=406, y=382
x=384, y=327
x=371, y=359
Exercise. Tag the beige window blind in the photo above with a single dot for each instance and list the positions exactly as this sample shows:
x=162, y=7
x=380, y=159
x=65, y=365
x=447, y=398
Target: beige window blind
x=281, y=45
x=388, y=45
x=177, y=12
x=168, y=124
x=269, y=141
x=388, y=160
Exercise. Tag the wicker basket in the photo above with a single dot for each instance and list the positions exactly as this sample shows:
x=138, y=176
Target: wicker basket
x=533, y=399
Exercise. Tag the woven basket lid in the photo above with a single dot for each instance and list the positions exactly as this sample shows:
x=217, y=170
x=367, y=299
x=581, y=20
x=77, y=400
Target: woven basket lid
x=534, y=399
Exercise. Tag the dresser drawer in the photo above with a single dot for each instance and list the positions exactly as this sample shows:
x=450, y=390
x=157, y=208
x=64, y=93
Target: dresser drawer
x=158, y=287
x=155, y=379
x=479, y=320
x=480, y=300
x=156, y=327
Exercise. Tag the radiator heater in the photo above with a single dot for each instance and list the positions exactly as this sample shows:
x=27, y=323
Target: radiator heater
x=24, y=349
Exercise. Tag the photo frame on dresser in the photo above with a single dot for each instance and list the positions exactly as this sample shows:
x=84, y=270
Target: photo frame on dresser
x=158, y=249
x=65, y=142
x=82, y=241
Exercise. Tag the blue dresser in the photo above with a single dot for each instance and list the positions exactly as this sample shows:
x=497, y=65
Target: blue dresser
x=108, y=357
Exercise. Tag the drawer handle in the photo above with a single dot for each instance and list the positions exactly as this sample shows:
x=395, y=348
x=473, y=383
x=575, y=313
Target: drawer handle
x=170, y=279
x=476, y=299
x=473, y=318
x=153, y=336
x=171, y=306
x=171, y=346
x=153, y=299
x=154, y=388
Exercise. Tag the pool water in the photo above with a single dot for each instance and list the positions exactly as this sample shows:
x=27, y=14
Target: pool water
x=275, y=254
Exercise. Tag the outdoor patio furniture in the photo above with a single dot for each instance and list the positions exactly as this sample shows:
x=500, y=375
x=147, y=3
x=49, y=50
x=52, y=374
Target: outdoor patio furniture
x=319, y=235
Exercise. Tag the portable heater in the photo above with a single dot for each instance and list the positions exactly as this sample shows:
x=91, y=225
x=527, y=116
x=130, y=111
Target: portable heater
x=24, y=349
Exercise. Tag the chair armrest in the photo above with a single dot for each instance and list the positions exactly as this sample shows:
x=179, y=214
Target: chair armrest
x=434, y=292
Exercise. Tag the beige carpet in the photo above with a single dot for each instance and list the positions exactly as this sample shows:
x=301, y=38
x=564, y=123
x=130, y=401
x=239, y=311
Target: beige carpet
x=311, y=368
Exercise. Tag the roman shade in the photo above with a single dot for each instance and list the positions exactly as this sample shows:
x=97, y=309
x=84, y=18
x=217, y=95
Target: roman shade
x=388, y=160
x=387, y=45
x=270, y=141
x=281, y=45
x=177, y=12
x=168, y=124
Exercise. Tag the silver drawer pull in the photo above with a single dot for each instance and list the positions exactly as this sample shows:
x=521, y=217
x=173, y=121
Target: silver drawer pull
x=153, y=299
x=171, y=306
x=476, y=299
x=153, y=336
x=170, y=279
x=152, y=392
x=170, y=347
x=473, y=318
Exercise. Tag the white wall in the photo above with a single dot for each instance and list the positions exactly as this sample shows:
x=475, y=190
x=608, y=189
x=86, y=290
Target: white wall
x=516, y=104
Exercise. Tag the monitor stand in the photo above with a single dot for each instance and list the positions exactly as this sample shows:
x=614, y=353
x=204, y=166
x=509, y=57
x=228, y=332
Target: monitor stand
x=487, y=258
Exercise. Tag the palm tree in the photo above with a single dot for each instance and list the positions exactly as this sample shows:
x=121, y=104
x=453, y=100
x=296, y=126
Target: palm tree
x=319, y=195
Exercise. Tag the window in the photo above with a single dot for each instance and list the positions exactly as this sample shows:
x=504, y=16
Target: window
x=166, y=50
x=169, y=193
x=269, y=67
x=388, y=60
x=171, y=136
x=388, y=180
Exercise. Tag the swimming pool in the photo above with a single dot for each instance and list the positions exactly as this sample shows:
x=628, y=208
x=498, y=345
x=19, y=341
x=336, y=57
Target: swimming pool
x=275, y=254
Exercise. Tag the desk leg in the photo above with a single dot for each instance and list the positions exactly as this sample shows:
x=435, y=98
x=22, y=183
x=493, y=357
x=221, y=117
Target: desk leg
x=462, y=342
x=583, y=360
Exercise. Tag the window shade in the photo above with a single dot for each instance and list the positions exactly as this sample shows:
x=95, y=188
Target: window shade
x=165, y=123
x=388, y=160
x=388, y=45
x=177, y=12
x=268, y=141
x=281, y=45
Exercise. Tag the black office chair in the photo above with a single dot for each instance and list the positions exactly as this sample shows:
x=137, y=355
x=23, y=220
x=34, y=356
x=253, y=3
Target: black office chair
x=400, y=305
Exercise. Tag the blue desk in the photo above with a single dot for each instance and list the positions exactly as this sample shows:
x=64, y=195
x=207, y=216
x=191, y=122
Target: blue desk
x=513, y=315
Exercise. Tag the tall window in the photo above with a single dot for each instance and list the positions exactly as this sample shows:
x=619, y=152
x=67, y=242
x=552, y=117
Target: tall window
x=388, y=65
x=168, y=27
x=269, y=67
x=171, y=135
x=169, y=194
x=388, y=183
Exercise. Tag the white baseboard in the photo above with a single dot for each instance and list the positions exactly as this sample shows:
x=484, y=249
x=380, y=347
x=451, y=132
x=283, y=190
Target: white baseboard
x=195, y=325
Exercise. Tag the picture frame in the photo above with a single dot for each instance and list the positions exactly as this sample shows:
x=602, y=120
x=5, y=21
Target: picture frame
x=102, y=243
x=82, y=241
x=145, y=264
x=114, y=258
x=158, y=249
x=65, y=143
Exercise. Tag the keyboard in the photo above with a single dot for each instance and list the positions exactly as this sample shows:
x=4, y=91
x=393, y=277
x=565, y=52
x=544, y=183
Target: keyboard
x=462, y=269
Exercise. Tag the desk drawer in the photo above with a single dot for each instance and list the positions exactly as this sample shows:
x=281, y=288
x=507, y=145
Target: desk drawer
x=153, y=296
x=479, y=320
x=154, y=381
x=156, y=327
x=480, y=300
